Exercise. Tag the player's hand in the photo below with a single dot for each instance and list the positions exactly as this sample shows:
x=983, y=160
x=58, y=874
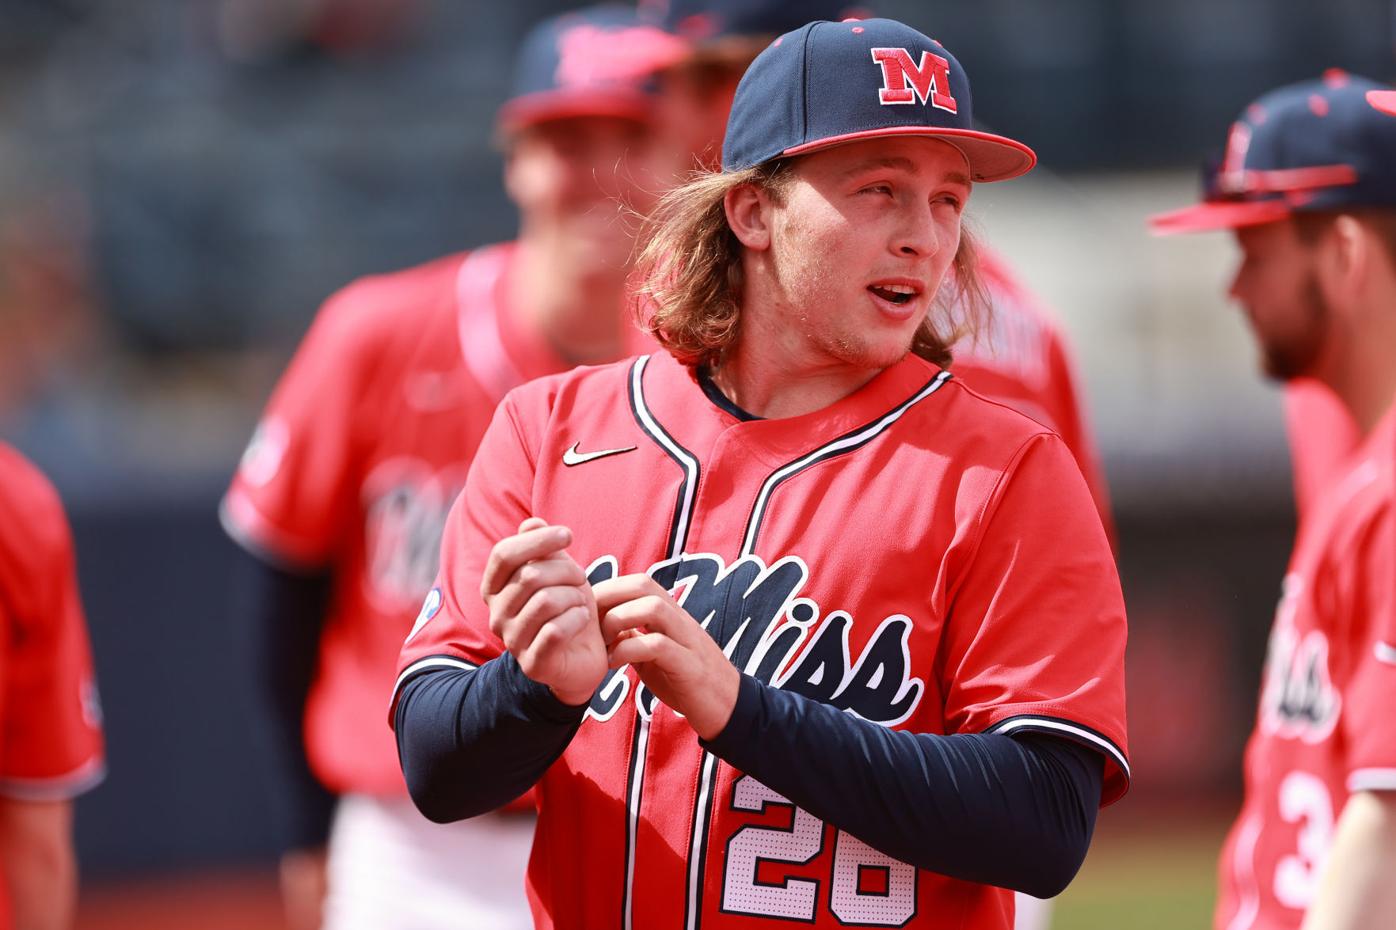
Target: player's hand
x=676, y=658
x=543, y=609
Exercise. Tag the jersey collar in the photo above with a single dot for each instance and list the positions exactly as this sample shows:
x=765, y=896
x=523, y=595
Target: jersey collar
x=676, y=399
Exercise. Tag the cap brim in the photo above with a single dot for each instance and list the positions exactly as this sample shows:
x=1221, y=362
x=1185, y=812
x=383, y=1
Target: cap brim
x=532, y=109
x=1384, y=100
x=990, y=157
x=1209, y=217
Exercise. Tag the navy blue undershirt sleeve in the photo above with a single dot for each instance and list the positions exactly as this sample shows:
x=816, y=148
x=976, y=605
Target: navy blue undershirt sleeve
x=286, y=612
x=1016, y=812
x=472, y=740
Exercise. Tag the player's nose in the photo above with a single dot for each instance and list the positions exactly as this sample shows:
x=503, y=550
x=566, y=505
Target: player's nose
x=915, y=234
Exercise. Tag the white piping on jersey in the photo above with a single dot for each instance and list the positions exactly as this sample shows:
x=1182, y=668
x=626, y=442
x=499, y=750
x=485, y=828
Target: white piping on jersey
x=1081, y=733
x=1243, y=871
x=1372, y=780
x=429, y=662
x=677, y=540
x=477, y=314
x=698, y=842
x=632, y=818
x=841, y=444
x=1385, y=652
x=689, y=463
x=63, y=787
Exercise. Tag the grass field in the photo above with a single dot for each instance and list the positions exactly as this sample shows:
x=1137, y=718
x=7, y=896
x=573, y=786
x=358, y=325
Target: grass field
x=1159, y=875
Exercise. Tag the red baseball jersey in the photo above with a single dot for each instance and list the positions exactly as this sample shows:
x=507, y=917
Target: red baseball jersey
x=364, y=445
x=1022, y=361
x=1324, y=729
x=913, y=553
x=1322, y=436
x=50, y=719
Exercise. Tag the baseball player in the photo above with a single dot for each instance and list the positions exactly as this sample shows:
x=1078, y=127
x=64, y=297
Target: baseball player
x=1308, y=186
x=364, y=445
x=784, y=623
x=1320, y=430
x=1021, y=358
x=50, y=723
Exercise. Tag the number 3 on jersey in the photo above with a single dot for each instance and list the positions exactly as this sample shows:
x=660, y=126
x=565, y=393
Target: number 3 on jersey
x=867, y=888
x=1304, y=801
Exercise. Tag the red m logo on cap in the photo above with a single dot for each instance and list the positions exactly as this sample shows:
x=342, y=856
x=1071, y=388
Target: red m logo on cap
x=930, y=80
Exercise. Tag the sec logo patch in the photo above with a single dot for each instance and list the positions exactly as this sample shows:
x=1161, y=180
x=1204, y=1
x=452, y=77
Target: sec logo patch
x=430, y=607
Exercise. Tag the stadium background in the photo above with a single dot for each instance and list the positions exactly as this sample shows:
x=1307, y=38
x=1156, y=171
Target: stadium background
x=182, y=181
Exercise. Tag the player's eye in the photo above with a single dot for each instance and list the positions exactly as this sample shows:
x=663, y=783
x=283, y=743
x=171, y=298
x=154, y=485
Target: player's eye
x=953, y=201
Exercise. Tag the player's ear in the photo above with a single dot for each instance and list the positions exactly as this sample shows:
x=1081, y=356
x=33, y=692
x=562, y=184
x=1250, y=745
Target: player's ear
x=748, y=210
x=1344, y=253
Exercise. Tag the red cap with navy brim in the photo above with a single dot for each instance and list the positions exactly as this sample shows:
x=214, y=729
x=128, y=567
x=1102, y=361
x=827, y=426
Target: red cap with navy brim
x=593, y=62
x=1315, y=145
x=828, y=83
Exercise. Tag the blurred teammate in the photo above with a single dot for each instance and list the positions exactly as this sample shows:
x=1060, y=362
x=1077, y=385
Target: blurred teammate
x=1321, y=432
x=50, y=728
x=694, y=562
x=1022, y=359
x=343, y=491
x=1308, y=186
x=720, y=38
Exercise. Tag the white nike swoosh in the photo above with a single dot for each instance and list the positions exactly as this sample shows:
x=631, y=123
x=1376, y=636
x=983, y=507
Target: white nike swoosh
x=1385, y=652
x=573, y=457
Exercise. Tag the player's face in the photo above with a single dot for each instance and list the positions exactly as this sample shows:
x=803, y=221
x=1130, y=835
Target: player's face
x=1277, y=286
x=861, y=243
x=570, y=177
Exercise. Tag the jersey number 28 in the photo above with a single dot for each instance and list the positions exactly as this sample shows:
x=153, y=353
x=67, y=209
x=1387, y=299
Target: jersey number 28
x=891, y=904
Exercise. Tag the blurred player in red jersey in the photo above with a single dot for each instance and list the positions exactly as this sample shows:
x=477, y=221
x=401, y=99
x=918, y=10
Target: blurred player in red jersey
x=1308, y=186
x=720, y=39
x=790, y=625
x=365, y=444
x=50, y=721
x=1321, y=432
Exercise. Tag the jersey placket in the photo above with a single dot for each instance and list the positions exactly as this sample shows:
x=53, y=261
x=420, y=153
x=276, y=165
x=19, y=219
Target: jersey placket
x=730, y=480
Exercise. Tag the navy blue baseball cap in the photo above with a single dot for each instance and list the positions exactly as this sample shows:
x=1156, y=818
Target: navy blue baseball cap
x=827, y=83
x=592, y=62
x=1316, y=145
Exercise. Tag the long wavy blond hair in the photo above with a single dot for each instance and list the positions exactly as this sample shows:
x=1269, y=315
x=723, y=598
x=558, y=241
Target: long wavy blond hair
x=690, y=278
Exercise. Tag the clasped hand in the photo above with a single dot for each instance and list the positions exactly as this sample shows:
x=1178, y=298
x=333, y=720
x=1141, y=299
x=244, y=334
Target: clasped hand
x=566, y=634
